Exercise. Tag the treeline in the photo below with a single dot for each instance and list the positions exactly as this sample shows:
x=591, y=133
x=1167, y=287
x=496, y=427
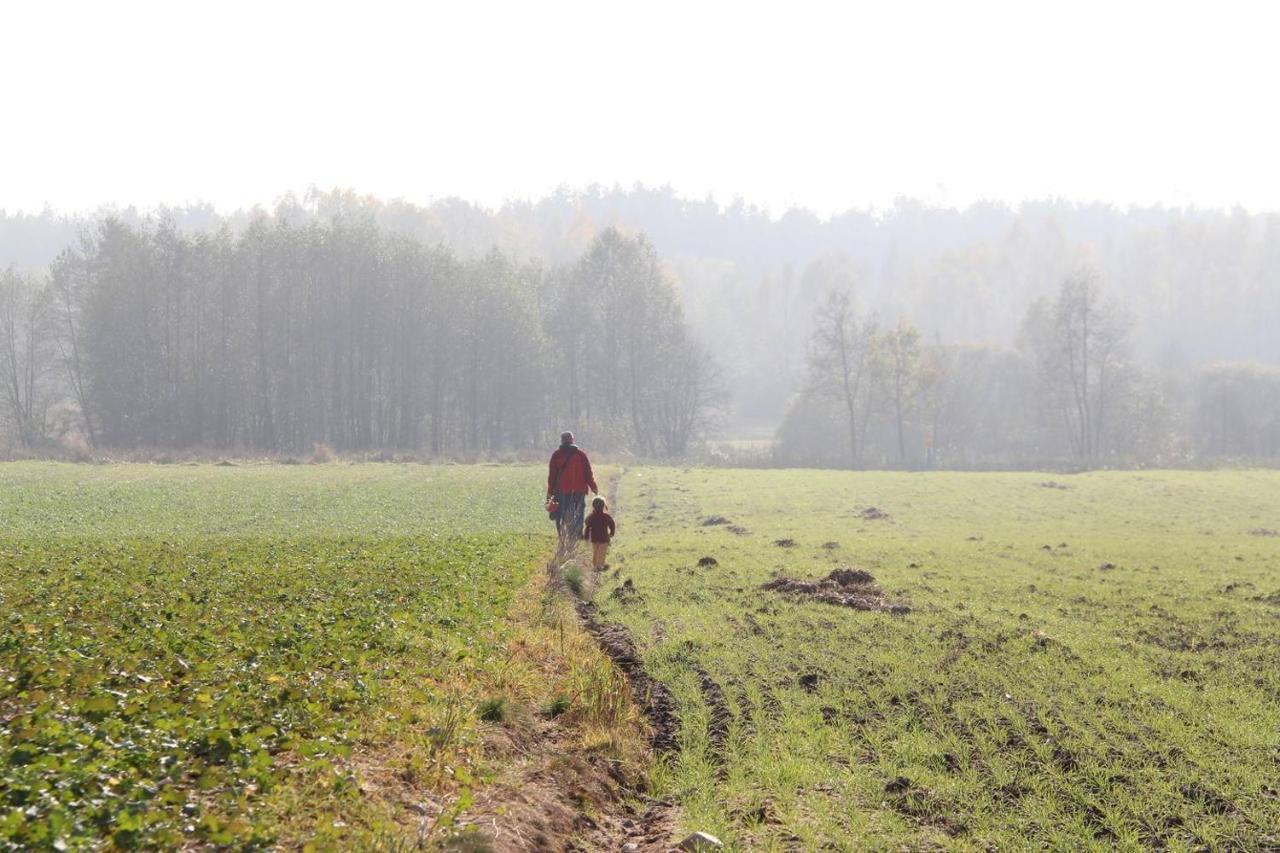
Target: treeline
x=449, y=329
x=277, y=336
x=1202, y=284
x=1070, y=392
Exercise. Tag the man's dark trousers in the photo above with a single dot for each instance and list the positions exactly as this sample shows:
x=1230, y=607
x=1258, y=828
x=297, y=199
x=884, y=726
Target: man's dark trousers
x=573, y=507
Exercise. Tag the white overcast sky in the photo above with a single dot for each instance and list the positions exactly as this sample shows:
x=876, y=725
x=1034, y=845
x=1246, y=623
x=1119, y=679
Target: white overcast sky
x=827, y=106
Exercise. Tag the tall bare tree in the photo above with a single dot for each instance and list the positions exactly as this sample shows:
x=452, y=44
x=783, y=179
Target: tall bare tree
x=842, y=364
x=25, y=362
x=898, y=351
x=1079, y=343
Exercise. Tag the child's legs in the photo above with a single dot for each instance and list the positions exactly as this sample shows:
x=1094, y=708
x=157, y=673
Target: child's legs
x=599, y=550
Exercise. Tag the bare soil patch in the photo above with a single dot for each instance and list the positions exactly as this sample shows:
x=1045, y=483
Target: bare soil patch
x=1264, y=531
x=714, y=521
x=843, y=587
x=874, y=513
x=920, y=804
x=557, y=797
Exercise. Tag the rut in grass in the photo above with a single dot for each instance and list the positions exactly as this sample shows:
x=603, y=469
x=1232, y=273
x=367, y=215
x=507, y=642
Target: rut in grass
x=654, y=697
x=719, y=717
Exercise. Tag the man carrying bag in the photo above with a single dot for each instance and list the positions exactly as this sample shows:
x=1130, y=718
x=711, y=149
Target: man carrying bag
x=569, y=477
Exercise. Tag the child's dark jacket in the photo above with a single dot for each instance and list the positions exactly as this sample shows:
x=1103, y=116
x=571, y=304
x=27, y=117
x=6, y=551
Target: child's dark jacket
x=599, y=527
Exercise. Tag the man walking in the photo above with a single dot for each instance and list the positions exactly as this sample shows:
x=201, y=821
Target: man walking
x=568, y=478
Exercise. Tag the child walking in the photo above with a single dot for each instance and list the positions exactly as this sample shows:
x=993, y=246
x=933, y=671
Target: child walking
x=598, y=530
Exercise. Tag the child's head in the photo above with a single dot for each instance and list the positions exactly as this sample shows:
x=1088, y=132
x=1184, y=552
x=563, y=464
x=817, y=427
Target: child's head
x=598, y=504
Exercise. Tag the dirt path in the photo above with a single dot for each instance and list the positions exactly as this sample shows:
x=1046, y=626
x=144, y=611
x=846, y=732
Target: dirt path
x=557, y=794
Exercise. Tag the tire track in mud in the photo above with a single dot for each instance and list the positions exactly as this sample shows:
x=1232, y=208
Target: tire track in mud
x=655, y=698
x=719, y=719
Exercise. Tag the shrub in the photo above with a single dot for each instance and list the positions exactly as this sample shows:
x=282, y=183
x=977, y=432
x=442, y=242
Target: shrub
x=322, y=453
x=76, y=448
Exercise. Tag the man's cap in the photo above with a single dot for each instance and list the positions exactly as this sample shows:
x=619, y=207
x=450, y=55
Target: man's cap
x=566, y=436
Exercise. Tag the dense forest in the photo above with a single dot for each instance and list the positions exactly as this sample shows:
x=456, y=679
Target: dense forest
x=1049, y=333
x=281, y=336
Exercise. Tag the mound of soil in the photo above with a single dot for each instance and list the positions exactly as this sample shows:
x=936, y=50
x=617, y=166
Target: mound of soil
x=1263, y=531
x=704, y=562
x=844, y=587
x=624, y=593
x=873, y=513
x=785, y=543
x=714, y=521
x=831, y=546
x=1053, y=484
x=738, y=529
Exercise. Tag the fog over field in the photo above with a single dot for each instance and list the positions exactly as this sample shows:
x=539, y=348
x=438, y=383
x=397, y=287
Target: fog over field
x=824, y=265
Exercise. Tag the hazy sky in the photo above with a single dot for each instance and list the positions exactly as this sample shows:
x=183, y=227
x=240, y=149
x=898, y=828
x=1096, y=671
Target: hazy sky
x=823, y=105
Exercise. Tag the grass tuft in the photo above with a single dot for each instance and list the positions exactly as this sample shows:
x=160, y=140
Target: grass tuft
x=559, y=704
x=574, y=580
x=494, y=709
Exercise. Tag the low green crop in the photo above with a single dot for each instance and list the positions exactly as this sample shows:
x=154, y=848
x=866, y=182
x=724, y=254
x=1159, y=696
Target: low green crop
x=159, y=690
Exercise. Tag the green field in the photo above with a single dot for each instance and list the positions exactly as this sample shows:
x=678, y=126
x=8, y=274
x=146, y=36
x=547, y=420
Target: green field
x=1089, y=666
x=288, y=655
x=234, y=655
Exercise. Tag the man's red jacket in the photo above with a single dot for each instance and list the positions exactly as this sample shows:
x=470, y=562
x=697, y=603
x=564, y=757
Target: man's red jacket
x=573, y=468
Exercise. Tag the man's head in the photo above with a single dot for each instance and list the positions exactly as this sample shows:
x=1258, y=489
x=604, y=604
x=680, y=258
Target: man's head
x=566, y=438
